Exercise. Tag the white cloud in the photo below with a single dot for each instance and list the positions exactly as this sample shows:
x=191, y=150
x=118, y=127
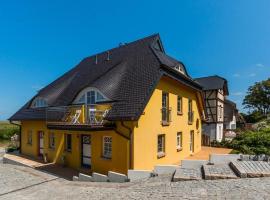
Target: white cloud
x=237, y=93
x=252, y=75
x=259, y=65
x=236, y=75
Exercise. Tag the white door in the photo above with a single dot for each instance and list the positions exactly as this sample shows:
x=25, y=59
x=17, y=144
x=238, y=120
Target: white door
x=86, y=150
x=191, y=143
x=41, y=142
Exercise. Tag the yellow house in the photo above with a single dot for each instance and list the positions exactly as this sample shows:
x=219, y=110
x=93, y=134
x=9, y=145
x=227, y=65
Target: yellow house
x=131, y=107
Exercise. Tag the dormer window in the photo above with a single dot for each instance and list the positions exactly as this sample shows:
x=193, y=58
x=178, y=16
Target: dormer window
x=39, y=103
x=90, y=96
x=179, y=68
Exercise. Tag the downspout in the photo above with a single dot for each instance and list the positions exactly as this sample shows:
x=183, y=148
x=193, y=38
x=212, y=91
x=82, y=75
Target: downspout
x=130, y=144
x=20, y=133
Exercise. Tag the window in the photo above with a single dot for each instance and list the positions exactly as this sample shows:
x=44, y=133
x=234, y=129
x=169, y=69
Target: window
x=161, y=146
x=179, y=105
x=90, y=96
x=165, y=110
x=91, y=99
x=179, y=141
x=190, y=112
x=39, y=103
x=68, y=142
x=52, y=140
x=29, y=137
x=107, y=147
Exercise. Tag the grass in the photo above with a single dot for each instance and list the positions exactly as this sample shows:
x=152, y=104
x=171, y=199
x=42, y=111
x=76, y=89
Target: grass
x=7, y=130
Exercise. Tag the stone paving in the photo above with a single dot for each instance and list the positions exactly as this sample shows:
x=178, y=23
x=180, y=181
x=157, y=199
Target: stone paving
x=251, y=168
x=218, y=171
x=19, y=182
x=184, y=174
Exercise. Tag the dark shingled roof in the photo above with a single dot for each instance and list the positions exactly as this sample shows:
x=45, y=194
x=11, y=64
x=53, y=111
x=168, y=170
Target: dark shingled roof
x=128, y=78
x=229, y=110
x=213, y=83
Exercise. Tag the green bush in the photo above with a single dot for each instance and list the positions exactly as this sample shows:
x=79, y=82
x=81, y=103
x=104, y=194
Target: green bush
x=252, y=142
x=7, y=130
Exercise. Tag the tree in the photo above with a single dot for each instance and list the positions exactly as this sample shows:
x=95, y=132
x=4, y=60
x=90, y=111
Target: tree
x=258, y=97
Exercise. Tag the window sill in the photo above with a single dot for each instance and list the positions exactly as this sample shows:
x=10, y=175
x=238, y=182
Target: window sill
x=179, y=149
x=51, y=148
x=161, y=155
x=106, y=158
x=190, y=123
x=28, y=144
x=68, y=151
x=179, y=113
x=164, y=123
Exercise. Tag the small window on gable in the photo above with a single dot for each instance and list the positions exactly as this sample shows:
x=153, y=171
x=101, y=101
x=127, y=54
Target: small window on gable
x=82, y=99
x=39, y=103
x=180, y=68
x=90, y=96
x=100, y=97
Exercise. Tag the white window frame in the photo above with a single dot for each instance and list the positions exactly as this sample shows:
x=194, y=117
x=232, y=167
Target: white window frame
x=179, y=141
x=39, y=102
x=88, y=90
x=51, y=140
x=161, y=149
x=107, y=147
x=30, y=137
x=179, y=105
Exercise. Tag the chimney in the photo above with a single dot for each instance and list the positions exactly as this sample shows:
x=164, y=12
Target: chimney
x=108, y=56
x=96, y=61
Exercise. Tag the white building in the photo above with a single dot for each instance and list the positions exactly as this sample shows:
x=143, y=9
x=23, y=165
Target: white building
x=215, y=90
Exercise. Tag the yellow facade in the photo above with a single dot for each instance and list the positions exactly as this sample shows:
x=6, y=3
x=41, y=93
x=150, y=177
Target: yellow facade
x=120, y=153
x=149, y=127
x=143, y=143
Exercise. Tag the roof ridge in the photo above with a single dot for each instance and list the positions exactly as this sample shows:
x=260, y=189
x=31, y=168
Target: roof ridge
x=124, y=45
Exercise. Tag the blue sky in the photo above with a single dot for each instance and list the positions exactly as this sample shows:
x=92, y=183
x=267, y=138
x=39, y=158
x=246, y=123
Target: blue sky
x=40, y=40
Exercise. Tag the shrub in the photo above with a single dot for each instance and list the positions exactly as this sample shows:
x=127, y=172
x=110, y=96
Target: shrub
x=252, y=142
x=7, y=131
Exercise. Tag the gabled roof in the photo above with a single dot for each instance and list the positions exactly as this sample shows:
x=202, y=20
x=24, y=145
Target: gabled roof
x=128, y=78
x=213, y=83
x=229, y=110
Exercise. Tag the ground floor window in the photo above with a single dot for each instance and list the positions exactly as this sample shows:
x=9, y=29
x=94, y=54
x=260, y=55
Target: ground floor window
x=161, y=146
x=51, y=140
x=68, y=142
x=29, y=137
x=179, y=141
x=107, y=147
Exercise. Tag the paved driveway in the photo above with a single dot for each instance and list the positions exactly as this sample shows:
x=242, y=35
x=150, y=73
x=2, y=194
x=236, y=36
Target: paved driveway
x=26, y=183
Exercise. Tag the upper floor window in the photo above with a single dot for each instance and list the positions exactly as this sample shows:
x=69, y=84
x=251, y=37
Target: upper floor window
x=39, y=103
x=90, y=96
x=180, y=68
x=179, y=105
x=165, y=110
x=190, y=112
